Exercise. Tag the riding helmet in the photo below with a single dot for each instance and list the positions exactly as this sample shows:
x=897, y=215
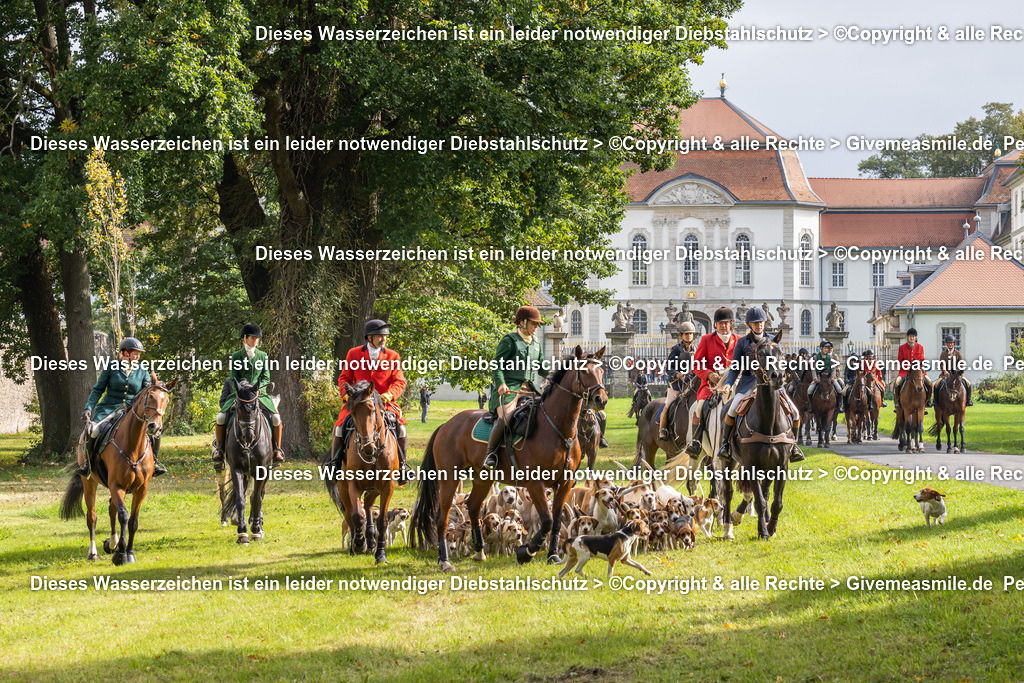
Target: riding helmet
x=375, y=326
x=804, y=351
x=950, y=339
x=687, y=327
x=723, y=313
x=252, y=330
x=130, y=344
x=868, y=353
x=528, y=313
x=912, y=331
x=827, y=344
x=756, y=315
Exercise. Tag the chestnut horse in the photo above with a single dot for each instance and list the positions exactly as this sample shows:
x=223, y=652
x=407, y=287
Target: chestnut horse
x=909, y=427
x=647, y=439
x=858, y=416
x=548, y=457
x=128, y=461
x=803, y=404
x=369, y=470
x=823, y=406
x=950, y=402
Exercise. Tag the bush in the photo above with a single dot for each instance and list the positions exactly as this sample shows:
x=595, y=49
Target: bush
x=322, y=405
x=1005, y=388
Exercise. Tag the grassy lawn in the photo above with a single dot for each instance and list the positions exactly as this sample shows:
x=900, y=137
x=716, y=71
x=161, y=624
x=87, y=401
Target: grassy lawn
x=828, y=530
x=992, y=427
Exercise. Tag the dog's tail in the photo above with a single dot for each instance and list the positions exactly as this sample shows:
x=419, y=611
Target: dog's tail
x=423, y=524
x=71, y=506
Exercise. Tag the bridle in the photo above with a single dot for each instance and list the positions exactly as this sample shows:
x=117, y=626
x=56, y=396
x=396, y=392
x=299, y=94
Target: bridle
x=585, y=396
x=255, y=431
x=370, y=446
x=134, y=464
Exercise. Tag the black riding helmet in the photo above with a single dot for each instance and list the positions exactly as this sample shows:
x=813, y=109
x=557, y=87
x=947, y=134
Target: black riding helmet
x=950, y=339
x=375, y=327
x=252, y=330
x=130, y=344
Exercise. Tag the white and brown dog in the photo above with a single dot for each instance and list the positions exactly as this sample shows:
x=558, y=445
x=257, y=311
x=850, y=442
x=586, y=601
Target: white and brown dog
x=613, y=547
x=396, y=525
x=933, y=504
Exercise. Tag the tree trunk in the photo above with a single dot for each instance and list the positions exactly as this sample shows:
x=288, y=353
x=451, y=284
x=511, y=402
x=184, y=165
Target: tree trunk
x=35, y=290
x=78, y=323
x=288, y=384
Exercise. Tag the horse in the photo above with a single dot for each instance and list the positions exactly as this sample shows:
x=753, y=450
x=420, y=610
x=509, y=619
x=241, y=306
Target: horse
x=369, y=471
x=550, y=456
x=823, y=406
x=950, y=402
x=647, y=439
x=248, y=453
x=803, y=405
x=590, y=435
x=128, y=462
x=874, y=408
x=909, y=427
x=858, y=415
x=762, y=444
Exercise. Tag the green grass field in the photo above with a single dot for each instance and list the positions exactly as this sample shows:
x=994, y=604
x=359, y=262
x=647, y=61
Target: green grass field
x=993, y=427
x=828, y=530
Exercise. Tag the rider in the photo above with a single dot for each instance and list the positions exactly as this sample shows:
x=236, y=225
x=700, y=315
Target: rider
x=679, y=368
x=519, y=358
x=252, y=365
x=118, y=384
x=382, y=367
x=712, y=357
x=801, y=366
x=950, y=359
x=744, y=357
x=824, y=361
x=641, y=397
x=870, y=367
x=850, y=376
x=908, y=354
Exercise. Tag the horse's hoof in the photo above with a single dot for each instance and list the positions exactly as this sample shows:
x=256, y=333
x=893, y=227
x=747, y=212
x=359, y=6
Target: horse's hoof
x=223, y=523
x=480, y=556
x=728, y=537
x=118, y=559
x=446, y=567
x=956, y=450
x=243, y=539
x=257, y=535
x=93, y=557
x=555, y=559
x=382, y=559
x=129, y=558
x=523, y=555
x=106, y=546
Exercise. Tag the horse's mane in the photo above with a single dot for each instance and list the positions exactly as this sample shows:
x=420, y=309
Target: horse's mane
x=567, y=363
x=359, y=390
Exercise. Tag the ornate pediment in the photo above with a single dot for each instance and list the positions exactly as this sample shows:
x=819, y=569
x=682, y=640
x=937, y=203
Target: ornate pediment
x=691, y=193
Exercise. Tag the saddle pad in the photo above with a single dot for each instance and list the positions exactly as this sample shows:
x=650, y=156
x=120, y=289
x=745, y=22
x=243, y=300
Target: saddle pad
x=482, y=432
x=657, y=412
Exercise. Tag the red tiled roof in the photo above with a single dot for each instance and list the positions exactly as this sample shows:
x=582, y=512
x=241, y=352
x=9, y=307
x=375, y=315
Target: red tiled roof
x=892, y=230
x=798, y=184
x=985, y=282
x=898, y=193
x=715, y=116
x=999, y=192
x=751, y=176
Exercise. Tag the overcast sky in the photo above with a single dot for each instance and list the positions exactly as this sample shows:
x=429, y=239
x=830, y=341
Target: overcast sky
x=829, y=88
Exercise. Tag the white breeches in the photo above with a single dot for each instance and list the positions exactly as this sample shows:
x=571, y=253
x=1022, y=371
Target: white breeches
x=740, y=395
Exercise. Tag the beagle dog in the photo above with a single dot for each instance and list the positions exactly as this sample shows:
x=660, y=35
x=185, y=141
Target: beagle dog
x=682, y=532
x=659, y=536
x=613, y=547
x=933, y=504
x=606, y=511
x=491, y=529
x=502, y=501
x=396, y=525
x=707, y=513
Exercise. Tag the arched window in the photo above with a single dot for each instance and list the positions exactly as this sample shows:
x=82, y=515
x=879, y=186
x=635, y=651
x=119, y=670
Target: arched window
x=640, y=321
x=743, y=260
x=691, y=266
x=576, y=324
x=639, y=265
x=805, y=323
x=805, y=261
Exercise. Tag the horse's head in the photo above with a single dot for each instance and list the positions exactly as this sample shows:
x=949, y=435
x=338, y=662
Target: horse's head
x=590, y=377
x=364, y=405
x=246, y=395
x=151, y=404
x=770, y=362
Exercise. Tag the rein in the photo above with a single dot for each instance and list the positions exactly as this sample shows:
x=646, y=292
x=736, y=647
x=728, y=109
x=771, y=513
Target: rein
x=585, y=396
x=257, y=431
x=134, y=464
x=373, y=438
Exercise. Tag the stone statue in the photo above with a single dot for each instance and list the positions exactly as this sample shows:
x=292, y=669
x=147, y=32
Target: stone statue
x=619, y=322
x=768, y=314
x=834, y=319
x=629, y=311
x=670, y=312
x=741, y=311
x=684, y=316
x=783, y=310
x=559, y=320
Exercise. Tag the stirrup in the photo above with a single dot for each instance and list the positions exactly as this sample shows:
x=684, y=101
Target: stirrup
x=490, y=461
x=278, y=456
x=663, y=433
x=797, y=456
x=84, y=470
x=693, y=448
x=158, y=469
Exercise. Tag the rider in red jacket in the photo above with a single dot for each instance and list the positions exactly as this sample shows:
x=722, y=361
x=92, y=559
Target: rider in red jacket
x=710, y=361
x=909, y=354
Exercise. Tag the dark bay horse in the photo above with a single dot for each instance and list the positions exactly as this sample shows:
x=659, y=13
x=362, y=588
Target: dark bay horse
x=128, y=461
x=823, y=407
x=548, y=457
x=950, y=402
x=369, y=471
x=647, y=440
x=803, y=404
x=248, y=454
x=858, y=417
x=762, y=444
x=589, y=431
x=909, y=427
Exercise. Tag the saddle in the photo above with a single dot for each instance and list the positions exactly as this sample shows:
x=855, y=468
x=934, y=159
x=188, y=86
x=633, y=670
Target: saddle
x=788, y=406
x=348, y=428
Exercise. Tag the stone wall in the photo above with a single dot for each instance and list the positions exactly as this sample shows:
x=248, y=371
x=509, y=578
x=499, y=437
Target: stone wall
x=13, y=398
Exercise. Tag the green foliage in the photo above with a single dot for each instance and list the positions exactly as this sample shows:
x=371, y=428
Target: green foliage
x=323, y=403
x=1004, y=388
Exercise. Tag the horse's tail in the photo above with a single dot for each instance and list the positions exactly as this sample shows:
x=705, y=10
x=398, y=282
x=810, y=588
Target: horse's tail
x=331, y=482
x=897, y=430
x=71, y=506
x=231, y=499
x=936, y=428
x=423, y=525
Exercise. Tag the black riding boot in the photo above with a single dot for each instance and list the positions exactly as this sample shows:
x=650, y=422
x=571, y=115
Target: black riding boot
x=218, y=447
x=84, y=470
x=896, y=398
x=725, y=452
x=158, y=469
x=602, y=422
x=927, y=396
x=494, y=443
x=405, y=474
x=969, y=401
x=697, y=442
x=336, y=457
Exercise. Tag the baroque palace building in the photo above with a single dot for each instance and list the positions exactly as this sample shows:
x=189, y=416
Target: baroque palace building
x=786, y=229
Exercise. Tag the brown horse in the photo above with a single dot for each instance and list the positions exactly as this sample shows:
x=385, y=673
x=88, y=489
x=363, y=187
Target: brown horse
x=548, y=456
x=909, y=427
x=950, y=402
x=589, y=430
x=858, y=414
x=128, y=461
x=647, y=440
x=803, y=404
x=823, y=407
x=369, y=470
x=763, y=442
